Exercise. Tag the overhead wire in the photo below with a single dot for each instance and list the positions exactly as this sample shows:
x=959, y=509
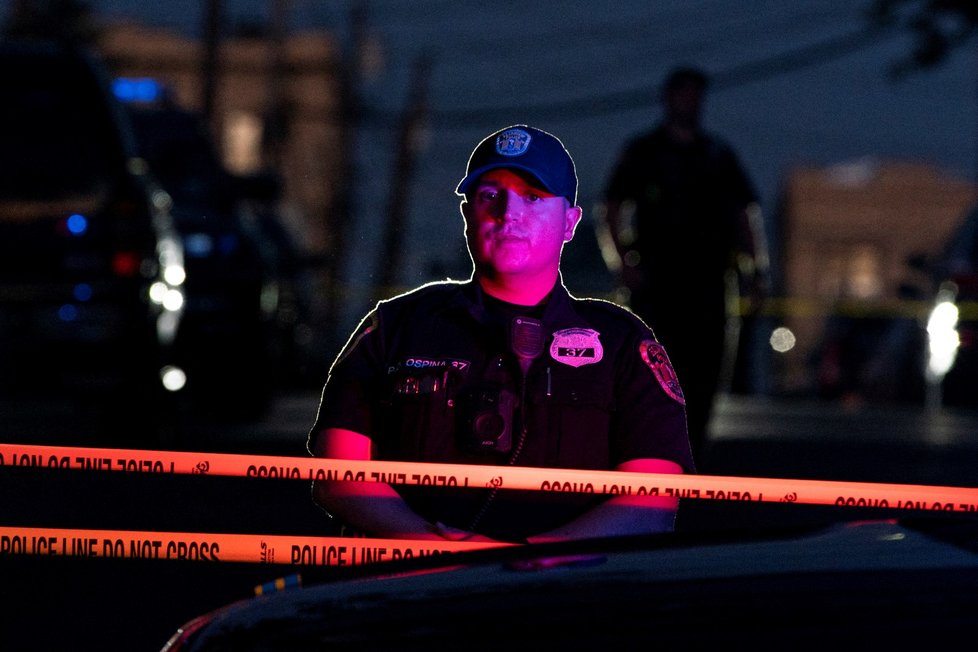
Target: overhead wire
x=644, y=95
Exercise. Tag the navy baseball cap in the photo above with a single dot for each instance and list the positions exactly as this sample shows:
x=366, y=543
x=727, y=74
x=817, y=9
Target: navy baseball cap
x=531, y=150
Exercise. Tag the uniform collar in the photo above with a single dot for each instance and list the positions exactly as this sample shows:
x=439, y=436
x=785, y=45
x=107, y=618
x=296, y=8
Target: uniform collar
x=559, y=312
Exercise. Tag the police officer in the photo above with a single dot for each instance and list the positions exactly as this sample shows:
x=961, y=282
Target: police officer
x=504, y=368
x=685, y=221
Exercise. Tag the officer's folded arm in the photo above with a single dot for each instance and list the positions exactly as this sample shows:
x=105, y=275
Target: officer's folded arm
x=373, y=507
x=623, y=515
x=376, y=508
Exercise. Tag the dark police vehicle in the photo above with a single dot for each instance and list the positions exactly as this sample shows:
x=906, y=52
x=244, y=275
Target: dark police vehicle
x=91, y=270
x=243, y=298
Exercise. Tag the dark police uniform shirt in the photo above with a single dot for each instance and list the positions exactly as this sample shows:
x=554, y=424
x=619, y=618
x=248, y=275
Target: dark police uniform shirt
x=431, y=376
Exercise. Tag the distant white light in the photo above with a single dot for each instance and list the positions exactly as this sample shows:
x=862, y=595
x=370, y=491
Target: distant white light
x=243, y=135
x=157, y=292
x=942, y=339
x=166, y=326
x=782, y=339
x=173, y=378
x=173, y=300
x=174, y=274
x=170, y=251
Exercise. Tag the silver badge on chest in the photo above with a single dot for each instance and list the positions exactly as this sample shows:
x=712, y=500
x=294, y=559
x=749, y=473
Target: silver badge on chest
x=576, y=347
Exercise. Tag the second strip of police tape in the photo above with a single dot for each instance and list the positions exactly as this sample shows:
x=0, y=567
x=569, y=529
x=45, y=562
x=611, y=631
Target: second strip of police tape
x=222, y=547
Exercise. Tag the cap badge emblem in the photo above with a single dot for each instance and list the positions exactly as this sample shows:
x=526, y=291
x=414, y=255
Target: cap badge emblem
x=512, y=142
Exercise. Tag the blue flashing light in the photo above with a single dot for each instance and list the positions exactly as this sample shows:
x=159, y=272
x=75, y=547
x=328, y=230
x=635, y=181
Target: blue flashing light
x=198, y=245
x=77, y=224
x=82, y=292
x=137, y=89
x=68, y=312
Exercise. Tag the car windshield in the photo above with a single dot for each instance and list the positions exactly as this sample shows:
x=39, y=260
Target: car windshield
x=54, y=127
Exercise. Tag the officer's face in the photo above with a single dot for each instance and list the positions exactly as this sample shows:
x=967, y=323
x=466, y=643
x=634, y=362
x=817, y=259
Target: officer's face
x=515, y=228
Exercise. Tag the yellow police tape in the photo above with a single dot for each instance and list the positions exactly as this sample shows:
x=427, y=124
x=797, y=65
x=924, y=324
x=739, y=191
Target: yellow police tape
x=702, y=487
x=812, y=307
x=341, y=551
x=206, y=546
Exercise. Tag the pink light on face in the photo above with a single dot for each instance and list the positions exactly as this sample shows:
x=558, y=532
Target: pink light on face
x=516, y=232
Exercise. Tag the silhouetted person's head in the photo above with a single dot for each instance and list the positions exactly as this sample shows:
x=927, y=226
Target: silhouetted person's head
x=682, y=97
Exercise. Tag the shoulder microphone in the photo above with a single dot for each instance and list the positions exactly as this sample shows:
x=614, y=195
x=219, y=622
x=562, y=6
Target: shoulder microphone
x=526, y=341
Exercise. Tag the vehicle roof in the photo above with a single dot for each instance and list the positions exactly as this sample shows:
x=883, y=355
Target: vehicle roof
x=882, y=580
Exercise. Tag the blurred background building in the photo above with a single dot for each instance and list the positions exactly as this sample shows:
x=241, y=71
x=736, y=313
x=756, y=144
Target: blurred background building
x=275, y=107
x=854, y=238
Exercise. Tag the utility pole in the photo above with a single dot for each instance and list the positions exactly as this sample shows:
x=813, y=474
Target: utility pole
x=338, y=218
x=276, y=124
x=213, y=16
x=408, y=142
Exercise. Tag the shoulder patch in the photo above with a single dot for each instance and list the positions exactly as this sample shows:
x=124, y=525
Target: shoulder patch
x=654, y=356
x=576, y=346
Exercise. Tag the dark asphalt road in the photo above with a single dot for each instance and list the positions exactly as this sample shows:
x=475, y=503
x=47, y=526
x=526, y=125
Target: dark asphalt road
x=59, y=603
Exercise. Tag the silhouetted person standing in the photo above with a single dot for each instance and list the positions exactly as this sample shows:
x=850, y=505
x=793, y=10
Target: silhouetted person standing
x=684, y=219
